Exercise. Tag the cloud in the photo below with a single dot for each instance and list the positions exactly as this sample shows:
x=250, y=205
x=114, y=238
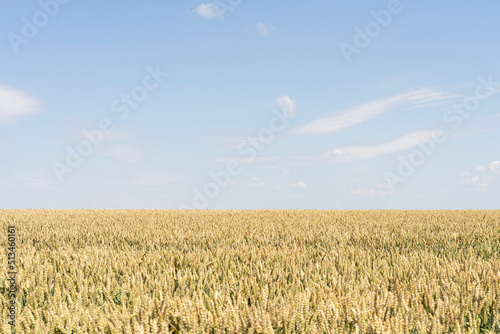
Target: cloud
x=358, y=169
x=300, y=184
x=274, y=167
x=484, y=178
x=125, y=153
x=14, y=104
x=363, y=192
x=29, y=181
x=349, y=153
x=475, y=181
x=472, y=132
x=494, y=167
x=287, y=106
x=470, y=84
x=209, y=11
x=264, y=30
x=245, y=141
x=384, y=186
x=77, y=134
x=472, y=179
x=117, y=135
x=370, y=192
x=399, y=144
x=154, y=178
x=254, y=182
x=366, y=111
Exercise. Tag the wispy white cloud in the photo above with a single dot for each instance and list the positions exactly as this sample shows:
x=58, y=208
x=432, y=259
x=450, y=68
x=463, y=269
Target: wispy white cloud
x=494, y=167
x=300, y=184
x=475, y=181
x=29, y=181
x=154, y=178
x=384, y=186
x=399, y=144
x=287, y=106
x=15, y=103
x=470, y=84
x=348, y=153
x=209, y=11
x=358, y=169
x=363, y=192
x=254, y=182
x=125, y=153
x=264, y=30
x=367, y=192
x=273, y=167
x=366, y=111
x=117, y=135
x=483, y=178
x=472, y=132
x=77, y=134
x=237, y=142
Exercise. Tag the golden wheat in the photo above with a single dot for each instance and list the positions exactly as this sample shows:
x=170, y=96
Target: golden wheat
x=148, y=271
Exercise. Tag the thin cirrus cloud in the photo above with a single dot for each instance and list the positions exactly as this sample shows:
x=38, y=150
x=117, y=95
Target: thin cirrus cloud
x=209, y=11
x=124, y=153
x=370, y=192
x=399, y=144
x=15, y=104
x=264, y=30
x=154, y=178
x=366, y=111
x=28, y=181
x=365, y=192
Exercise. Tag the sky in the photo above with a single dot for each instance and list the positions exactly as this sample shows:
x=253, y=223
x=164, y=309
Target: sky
x=238, y=104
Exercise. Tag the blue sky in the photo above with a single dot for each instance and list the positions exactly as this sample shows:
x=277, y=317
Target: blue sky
x=238, y=104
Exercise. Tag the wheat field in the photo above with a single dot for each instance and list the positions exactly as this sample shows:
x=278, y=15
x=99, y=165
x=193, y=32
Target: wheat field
x=152, y=271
